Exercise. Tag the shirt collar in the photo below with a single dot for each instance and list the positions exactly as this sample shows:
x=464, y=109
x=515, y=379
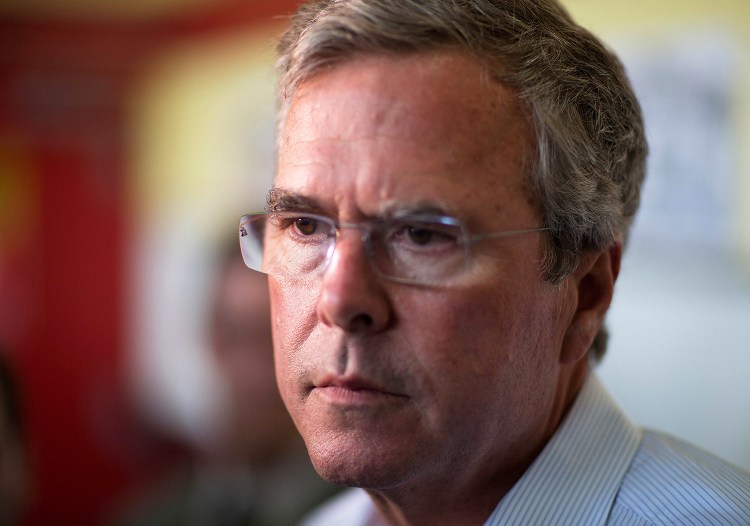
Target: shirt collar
x=576, y=477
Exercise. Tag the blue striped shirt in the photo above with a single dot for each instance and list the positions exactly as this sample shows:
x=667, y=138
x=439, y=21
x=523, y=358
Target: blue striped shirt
x=599, y=469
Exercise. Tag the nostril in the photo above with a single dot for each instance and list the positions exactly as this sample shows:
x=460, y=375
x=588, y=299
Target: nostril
x=362, y=321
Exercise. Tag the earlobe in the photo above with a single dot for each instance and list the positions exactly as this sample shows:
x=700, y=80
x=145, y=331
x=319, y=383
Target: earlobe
x=594, y=282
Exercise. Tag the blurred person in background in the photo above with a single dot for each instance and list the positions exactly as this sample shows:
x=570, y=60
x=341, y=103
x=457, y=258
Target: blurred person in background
x=257, y=472
x=13, y=472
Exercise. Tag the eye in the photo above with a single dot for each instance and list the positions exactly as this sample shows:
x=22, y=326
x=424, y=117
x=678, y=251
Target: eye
x=306, y=226
x=299, y=227
x=422, y=236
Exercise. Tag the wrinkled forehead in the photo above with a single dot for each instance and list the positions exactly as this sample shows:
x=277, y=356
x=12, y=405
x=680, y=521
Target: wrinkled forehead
x=427, y=96
x=483, y=92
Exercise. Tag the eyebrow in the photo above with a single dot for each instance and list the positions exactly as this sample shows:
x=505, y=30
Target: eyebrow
x=280, y=200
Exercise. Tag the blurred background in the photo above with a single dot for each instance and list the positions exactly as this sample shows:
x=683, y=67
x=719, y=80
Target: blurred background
x=133, y=135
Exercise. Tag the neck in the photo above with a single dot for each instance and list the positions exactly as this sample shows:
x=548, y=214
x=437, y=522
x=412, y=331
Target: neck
x=436, y=509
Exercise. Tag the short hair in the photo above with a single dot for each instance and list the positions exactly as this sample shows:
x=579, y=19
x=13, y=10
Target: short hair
x=590, y=158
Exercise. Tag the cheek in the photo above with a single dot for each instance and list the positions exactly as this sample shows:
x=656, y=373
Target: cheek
x=293, y=313
x=293, y=318
x=483, y=337
x=480, y=322
x=454, y=346
x=486, y=353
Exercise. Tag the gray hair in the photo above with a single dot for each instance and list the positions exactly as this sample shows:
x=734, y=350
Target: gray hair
x=591, y=149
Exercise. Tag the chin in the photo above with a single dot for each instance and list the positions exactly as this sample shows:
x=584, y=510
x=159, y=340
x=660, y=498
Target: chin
x=348, y=461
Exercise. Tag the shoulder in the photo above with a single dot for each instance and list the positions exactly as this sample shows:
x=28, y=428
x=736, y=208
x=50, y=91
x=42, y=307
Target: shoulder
x=349, y=508
x=672, y=482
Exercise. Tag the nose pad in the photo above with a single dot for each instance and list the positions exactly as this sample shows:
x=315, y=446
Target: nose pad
x=352, y=296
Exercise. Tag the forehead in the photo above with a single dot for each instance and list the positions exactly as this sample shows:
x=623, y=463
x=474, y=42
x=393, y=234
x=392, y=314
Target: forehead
x=385, y=125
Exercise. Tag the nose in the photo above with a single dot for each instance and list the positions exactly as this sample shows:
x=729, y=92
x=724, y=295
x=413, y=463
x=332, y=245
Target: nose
x=352, y=296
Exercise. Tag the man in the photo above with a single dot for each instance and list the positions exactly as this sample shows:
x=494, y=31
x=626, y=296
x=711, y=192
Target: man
x=455, y=185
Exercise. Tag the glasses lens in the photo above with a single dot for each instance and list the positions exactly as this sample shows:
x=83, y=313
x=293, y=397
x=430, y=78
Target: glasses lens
x=419, y=249
x=251, y=240
x=286, y=244
x=422, y=250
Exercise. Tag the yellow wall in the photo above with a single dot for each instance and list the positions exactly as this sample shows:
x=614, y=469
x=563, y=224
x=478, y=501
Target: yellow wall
x=651, y=18
x=202, y=120
x=601, y=16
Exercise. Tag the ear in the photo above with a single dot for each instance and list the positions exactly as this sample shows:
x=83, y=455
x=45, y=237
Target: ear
x=593, y=282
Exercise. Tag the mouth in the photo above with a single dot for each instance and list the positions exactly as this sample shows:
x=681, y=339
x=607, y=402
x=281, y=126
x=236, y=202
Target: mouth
x=354, y=392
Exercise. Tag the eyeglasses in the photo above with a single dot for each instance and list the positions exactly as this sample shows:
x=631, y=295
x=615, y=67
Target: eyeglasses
x=419, y=249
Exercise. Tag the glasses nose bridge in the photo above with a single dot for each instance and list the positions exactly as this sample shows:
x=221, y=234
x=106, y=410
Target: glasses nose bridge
x=365, y=236
x=365, y=228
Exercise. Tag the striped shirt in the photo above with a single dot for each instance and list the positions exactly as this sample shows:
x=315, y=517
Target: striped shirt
x=598, y=469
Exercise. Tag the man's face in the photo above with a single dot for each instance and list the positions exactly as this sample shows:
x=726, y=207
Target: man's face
x=393, y=384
